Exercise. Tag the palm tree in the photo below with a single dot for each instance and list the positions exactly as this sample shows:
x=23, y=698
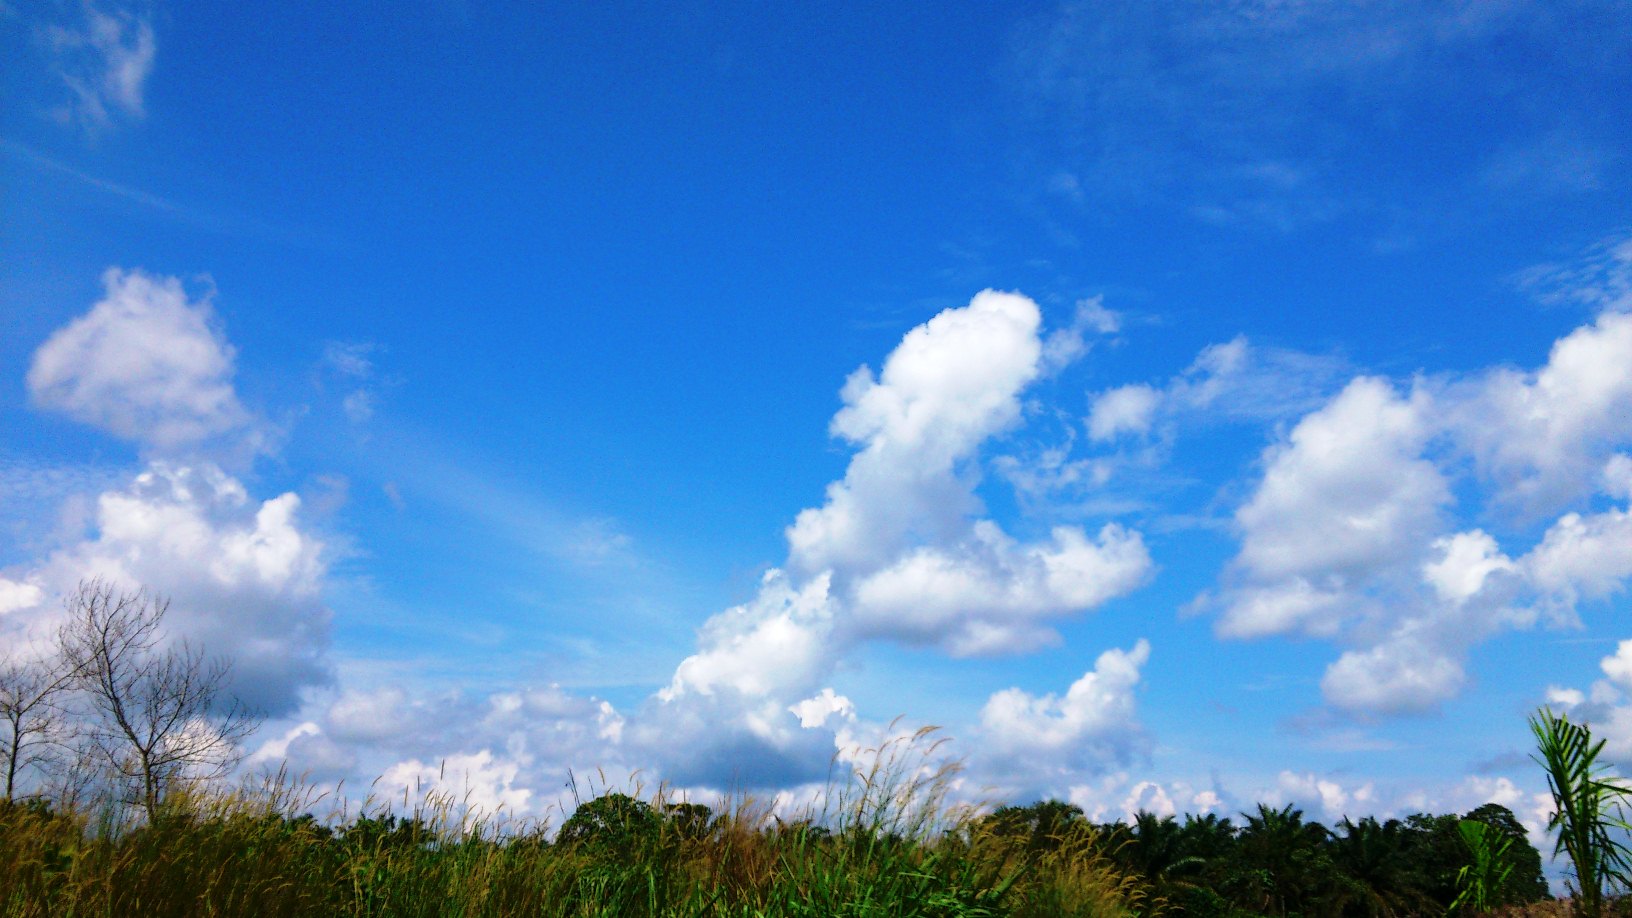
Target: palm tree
x=1157, y=851
x=1287, y=865
x=1377, y=857
x=1588, y=807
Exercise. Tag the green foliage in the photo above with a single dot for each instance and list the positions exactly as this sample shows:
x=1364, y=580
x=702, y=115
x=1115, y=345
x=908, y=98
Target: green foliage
x=1482, y=878
x=1588, y=808
x=1523, y=880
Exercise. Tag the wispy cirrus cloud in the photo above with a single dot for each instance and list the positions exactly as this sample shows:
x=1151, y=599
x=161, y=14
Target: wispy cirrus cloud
x=1260, y=113
x=104, y=58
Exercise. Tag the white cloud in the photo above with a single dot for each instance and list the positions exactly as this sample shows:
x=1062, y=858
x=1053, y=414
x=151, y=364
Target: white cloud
x=1616, y=477
x=1290, y=606
x=1324, y=795
x=1125, y=409
x=1347, y=492
x=1064, y=345
x=899, y=550
x=1346, y=535
x=370, y=715
x=1543, y=437
x=1565, y=697
x=1234, y=380
x=351, y=365
x=819, y=709
x=104, y=61
x=1345, y=496
x=244, y=578
x=1618, y=666
x=1582, y=556
x=146, y=364
x=989, y=594
x=480, y=781
x=1407, y=673
x=1468, y=559
x=1046, y=739
x=777, y=643
x=952, y=383
x=1600, y=279
x=15, y=596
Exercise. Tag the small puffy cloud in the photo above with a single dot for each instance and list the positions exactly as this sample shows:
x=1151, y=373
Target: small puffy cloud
x=818, y=709
x=1093, y=727
x=1466, y=561
x=1291, y=606
x=104, y=60
x=1064, y=345
x=990, y=593
x=1348, y=490
x=1565, y=697
x=1125, y=409
x=1544, y=437
x=1618, y=666
x=146, y=363
x=1582, y=557
x=1405, y=674
x=1330, y=798
x=16, y=596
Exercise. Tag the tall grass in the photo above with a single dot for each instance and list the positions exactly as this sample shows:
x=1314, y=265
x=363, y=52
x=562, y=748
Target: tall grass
x=883, y=841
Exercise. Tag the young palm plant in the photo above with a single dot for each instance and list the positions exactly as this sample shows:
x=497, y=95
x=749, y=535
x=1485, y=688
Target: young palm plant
x=1588, y=808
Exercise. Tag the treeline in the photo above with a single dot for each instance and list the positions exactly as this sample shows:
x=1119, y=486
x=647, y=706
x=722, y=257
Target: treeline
x=120, y=738
x=1276, y=862
x=886, y=853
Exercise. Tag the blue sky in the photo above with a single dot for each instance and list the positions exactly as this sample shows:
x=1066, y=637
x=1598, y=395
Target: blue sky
x=1246, y=411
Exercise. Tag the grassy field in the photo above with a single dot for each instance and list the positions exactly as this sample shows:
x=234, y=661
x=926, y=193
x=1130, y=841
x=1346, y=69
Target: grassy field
x=883, y=841
x=885, y=845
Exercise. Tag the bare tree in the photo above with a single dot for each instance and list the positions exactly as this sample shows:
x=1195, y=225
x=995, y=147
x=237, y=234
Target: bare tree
x=155, y=712
x=31, y=716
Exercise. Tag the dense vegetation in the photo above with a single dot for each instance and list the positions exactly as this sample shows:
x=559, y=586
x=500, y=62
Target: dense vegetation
x=121, y=816
x=891, y=849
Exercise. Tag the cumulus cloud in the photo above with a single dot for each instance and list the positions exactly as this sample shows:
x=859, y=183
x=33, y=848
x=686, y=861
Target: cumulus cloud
x=1125, y=409
x=902, y=531
x=1325, y=796
x=1348, y=533
x=244, y=578
x=481, y=781
x=1543, y=437
x=1049, y=739
x=989, y=593
x=1347, y=494
x=899, y=550
x=1583, y=556
x=147, y=364
x=1404, y=674
x=105, y=60
x=951, y=384
x=778, y=642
